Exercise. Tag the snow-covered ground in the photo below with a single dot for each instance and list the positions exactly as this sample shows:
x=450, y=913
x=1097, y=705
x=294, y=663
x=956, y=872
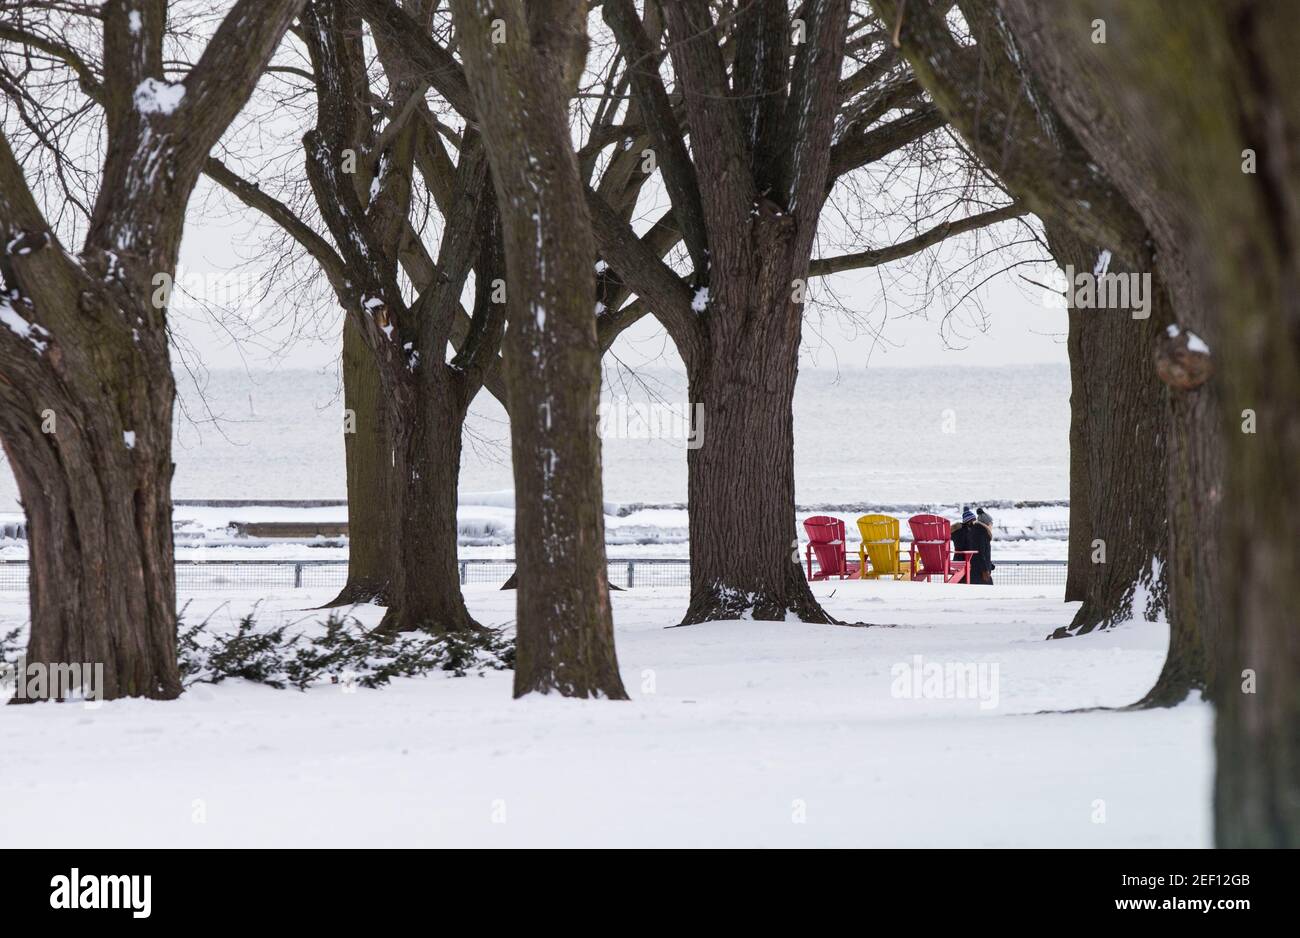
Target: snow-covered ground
x=737, y=734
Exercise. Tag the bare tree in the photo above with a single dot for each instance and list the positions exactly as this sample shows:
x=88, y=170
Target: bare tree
x=1140, y=453
x=404, y=146
x=365, y=161
x=522, y=78
x=776, y=115
x=87, y=391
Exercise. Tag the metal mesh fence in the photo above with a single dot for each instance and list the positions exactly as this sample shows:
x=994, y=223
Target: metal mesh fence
x=1029, y=573
x=213, y=575
x=210, y=575
x=13, y=577
x=486, y=571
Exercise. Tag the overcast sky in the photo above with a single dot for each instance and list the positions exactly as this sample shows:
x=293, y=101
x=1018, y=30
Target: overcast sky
x=1017, y=326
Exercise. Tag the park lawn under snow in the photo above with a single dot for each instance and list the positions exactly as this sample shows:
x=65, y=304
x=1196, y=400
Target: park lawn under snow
x=738, y=734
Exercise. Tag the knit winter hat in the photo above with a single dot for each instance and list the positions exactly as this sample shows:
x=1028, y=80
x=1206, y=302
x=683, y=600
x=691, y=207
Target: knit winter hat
x=967, y=514
x=985, y=517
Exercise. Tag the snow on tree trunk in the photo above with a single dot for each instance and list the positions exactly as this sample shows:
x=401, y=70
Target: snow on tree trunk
x=565, y=634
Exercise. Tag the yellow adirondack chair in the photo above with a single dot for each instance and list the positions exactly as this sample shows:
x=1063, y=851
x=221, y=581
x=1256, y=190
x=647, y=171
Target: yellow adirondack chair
x=880, y=544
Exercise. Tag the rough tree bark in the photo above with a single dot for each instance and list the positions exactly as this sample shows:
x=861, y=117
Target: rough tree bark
x=1193, y=576
x=1118, y=421
x=1078, y=569
x=521, y=85
x=1257, y=789
x=1225, y=214
x=86, y=389
x=371, y=556
x=426, y=576
x=740, y=480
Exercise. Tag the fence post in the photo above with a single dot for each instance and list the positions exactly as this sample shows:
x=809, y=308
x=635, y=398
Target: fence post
x=631, y=574
x=297, y=576
x=464, y=572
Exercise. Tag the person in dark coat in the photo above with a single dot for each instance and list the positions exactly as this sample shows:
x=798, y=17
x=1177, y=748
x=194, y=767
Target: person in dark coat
x=984, y=521
x=975, y=533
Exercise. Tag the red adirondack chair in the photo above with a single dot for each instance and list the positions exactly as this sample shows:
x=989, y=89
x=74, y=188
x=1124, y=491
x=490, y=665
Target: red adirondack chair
x=826, y=540
x=931, y=541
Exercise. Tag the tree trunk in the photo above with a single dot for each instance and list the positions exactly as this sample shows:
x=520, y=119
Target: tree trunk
x=1078, y=570
x=1138, y=444
x=1257, y=680
x=371, y=511
x=417, y=399
x=1253, y=226
x=95, y=483
x=565, y=639
x=1081, y=168
x=1118, y=421
x=744, y=547
x=762, y=129
x=740, y=480
x=426, y=592
x=1083, y=132
x=1195, y=474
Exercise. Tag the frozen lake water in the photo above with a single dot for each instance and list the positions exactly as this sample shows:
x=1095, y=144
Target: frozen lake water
x=881, y=436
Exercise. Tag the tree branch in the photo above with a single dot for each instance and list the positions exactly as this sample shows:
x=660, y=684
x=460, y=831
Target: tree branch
x=252, y=195
x=810, y=115
x=726, y=189
x=657, y=112
x=645, y=273
x=86, y=76
x=824, y=266
x=982, y=91
x=229, y=68
x=867, y=147
x=432, y=62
